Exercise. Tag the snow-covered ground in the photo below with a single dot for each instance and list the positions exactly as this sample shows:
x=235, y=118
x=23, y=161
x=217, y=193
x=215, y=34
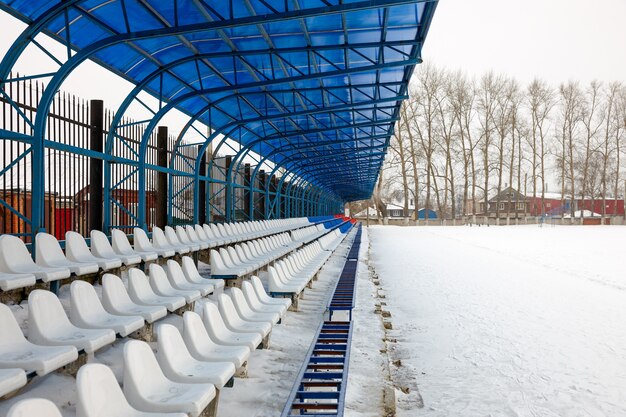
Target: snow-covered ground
x=508, y=321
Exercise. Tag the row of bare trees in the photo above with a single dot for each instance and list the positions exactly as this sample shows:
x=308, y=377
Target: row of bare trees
x=461, y=140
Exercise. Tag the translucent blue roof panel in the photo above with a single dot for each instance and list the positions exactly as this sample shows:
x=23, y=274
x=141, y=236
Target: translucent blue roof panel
x=306, y=83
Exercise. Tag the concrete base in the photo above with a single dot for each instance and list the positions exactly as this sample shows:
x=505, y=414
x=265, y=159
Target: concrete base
x=146, y=333
x=71, y=369
x=186, y=307
x=211, y=409
x=242, y=371
x=265, y=343
x=294, y=302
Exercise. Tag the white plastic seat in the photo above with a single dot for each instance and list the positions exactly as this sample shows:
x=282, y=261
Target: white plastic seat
x=15, y=259
x=121, y=246
x=192, y=275
x=255, y=303
x=184, y=237
x=193, y=236
x=50, y=255
x=180, y=366
x=203, y=348
x=210, y=233
x=161, y=285
x=87, y=312
x=246, y=313
x=16, y=351
x=148, y=389
x=99, y=395
x=174, y=240
x=219, y=267
x=143, y=244
x=235, y=322
x=11, y=379
x=276, y=284
x=178, y=281
x=101, y=248
x=264, y=297
x=220, y=334
x=76, y=250
x=161, y=240
x=115, y=300
x=34, y=407
x=48, y=325
x=141, y=292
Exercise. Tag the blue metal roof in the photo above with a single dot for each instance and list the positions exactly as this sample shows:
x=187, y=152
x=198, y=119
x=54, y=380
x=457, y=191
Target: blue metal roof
x=314, y=85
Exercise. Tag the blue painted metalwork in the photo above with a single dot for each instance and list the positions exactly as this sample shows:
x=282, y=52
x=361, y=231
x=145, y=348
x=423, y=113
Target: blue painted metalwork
x=292, y=83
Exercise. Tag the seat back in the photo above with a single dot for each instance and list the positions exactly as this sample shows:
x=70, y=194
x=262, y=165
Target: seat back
x=100, y=245
x=99, y=393
x=193, y=236
x=48, y=249
x=171, y=349
x=85, y=304
x=190, y=270
x=216, y=230
x=182, y=235
x=114, y=294
x=175, y=273
x=142, y=373
x=120, y=243
x=76, y=248
x=45, y=313
x=32, y=407
x=160, y=239
x=139, y=285
x=13, y=254
x=9, y=328
x=251, y=296
x=213, y=321
x=218, y=267
x=158, y=280
x=141, y=240
x=195, y=334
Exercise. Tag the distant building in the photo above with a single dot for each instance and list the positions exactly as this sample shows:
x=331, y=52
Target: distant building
x=509, y=203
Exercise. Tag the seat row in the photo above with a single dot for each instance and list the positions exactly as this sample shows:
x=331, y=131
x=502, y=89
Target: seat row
x=189, y=369
x=245, y=258
x=18, y=270
x=292, y=274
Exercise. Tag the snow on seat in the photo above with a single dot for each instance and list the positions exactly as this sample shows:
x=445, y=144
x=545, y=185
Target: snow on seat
x=161, y=285
x=148, y=389
x=115, y=300
x=246, y=313
x=203, y=348
x=177, y=278
x=264, y=297
x=16, y=351
x=180, y=366
x=99, y=395
x=34, y=407
x=101, y=248
x=142, y=243
x=76, y=250
x=255, y=303
x=50, y=255
x=121, y=246
x=48, y=325
x=220, y=334
x=15, y=259
x=11, y=379
x=141, y=292
x=235, y=322
x=87, y=312
x=160, y=240
x=192, y=275
x=10, y=281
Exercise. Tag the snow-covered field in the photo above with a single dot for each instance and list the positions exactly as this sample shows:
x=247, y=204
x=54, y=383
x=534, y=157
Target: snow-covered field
x=508, y=321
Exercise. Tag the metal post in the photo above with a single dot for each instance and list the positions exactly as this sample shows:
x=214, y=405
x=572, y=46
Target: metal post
x=201, y=214
x=229, y=190
x=260, y=204
x=161, y=186
x=247, y=192
x=96, y=142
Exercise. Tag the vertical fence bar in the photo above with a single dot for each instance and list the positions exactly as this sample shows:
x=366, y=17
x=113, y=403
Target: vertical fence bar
x=161, y=188
x=96, y=119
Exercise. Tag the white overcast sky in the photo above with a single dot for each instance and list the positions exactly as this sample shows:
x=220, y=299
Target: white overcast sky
x=556, y=40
